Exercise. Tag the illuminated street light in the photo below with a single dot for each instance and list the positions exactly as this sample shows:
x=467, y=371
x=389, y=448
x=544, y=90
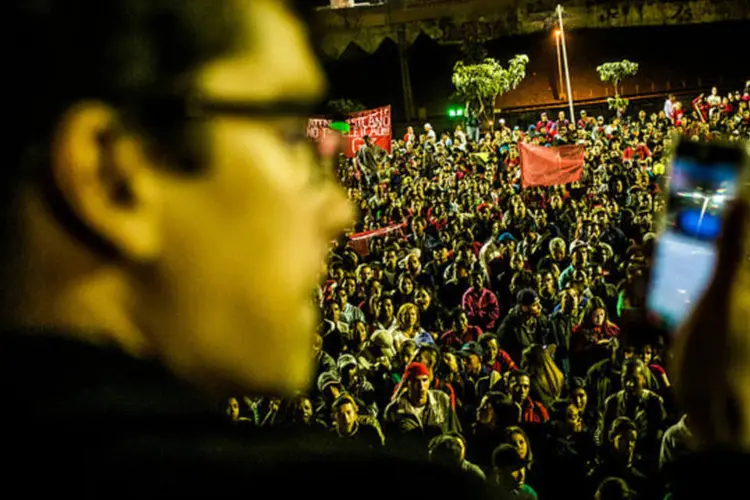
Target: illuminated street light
x=559, y=64
x=565, y=60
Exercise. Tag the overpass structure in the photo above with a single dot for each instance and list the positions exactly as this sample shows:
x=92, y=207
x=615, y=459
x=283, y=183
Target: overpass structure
x=454, y=21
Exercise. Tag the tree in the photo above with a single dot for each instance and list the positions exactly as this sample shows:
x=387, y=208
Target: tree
x=473, y=51
x=478, y=85
x=343, y=107
x=616, y=72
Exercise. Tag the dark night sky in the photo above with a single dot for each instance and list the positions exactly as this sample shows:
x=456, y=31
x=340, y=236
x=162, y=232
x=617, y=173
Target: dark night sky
x=709, y=51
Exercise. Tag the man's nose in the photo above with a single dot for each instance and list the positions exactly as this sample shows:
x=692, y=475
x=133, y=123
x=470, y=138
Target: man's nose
x=337, y=213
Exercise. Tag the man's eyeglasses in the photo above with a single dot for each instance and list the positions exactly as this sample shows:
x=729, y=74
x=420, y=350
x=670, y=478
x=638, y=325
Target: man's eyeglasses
x=288, y=118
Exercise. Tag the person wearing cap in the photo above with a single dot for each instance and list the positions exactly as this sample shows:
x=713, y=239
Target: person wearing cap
x=355, y=383
x=493, y=253
x=473, y=368
x=419, y=413
x=509, y=473
x=524, y=325
x=579, y=259
x=329, y=388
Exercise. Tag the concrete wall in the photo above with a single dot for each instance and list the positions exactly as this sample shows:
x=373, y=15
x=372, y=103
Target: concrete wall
x=450, y=21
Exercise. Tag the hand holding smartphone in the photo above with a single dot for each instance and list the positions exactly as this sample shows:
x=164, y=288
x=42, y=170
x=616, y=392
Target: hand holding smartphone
x=711, y=349
x=704, y=179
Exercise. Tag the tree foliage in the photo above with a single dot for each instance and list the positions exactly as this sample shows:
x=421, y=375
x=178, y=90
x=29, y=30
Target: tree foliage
x=616, y=72
x=479, y=84
x=473, y=51
x=344, y=107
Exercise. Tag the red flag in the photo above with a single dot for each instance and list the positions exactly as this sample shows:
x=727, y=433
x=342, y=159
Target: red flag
x=553, y=166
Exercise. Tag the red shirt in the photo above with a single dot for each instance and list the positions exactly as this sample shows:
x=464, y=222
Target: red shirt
x=533, y=412
x=677, y=116
x=503, y=363
x=641, y=151
x=702, y=107
x=481, y=307
x=453, y=339
x=448, y=389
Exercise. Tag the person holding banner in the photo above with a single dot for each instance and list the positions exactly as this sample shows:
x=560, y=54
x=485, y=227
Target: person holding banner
x=370, y=158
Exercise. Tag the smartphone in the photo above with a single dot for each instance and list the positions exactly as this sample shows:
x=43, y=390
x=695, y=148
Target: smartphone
x=703, y=178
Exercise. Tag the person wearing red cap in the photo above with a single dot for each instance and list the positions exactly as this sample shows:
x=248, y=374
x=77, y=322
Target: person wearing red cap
x=420, y=413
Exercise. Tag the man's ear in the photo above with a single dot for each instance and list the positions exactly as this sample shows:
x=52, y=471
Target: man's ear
x=105, y=177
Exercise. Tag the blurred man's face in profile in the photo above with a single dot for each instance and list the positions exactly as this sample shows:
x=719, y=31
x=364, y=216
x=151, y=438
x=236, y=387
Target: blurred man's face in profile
x=229, y=299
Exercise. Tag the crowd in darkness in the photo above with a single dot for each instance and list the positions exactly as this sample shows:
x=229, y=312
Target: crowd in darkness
x=492, y=327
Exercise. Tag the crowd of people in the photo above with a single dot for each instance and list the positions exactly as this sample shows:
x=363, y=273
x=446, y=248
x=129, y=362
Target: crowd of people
x=490, y=327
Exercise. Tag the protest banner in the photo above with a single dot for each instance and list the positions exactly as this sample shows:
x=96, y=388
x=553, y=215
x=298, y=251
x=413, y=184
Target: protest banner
x=375, y=123
x=360, y=242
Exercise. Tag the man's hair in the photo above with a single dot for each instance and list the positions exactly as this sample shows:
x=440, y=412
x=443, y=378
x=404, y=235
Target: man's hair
x=577, y=383
x=516, y=374
x=613, y=488
x=485, y=338
x=128, y=53
x=621, y=425
x=445, y=449
x=634, y=364
x=344, y=399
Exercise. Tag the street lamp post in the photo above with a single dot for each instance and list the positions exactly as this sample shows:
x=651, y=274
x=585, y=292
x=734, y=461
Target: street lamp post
x=559, y=65
x=565, y=61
